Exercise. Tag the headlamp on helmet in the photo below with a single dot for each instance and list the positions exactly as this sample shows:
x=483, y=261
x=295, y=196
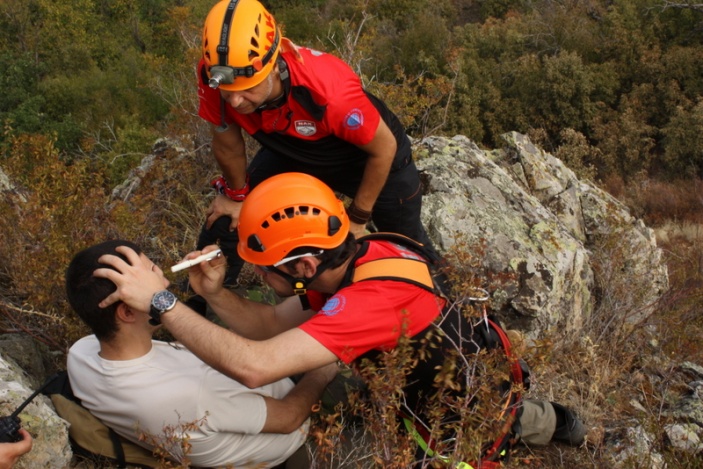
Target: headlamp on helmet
x=240, y=44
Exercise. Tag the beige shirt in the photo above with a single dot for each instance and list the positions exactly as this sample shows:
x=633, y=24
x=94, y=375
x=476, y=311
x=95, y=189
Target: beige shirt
x=169, y=387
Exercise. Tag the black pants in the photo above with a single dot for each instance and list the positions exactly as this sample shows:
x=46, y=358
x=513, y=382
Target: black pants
x=397, y=208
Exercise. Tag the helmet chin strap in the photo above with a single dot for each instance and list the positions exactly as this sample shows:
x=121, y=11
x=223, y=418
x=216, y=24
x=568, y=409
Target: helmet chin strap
x=300, y=285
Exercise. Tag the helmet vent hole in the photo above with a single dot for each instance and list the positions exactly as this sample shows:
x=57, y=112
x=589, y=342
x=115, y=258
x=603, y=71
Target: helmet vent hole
x=334, y=224
x=265, y=224
x=303, y=209
x=290, y=212
x=316, y=211
x=255, y=244
x=276, y=217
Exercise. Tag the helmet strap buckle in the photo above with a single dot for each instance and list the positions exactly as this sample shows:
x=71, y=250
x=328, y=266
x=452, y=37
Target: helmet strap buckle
x=299, y=286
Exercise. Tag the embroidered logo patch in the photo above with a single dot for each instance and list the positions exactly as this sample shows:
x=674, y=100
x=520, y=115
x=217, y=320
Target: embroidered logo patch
x=305, y=128
x=334, y=305
x=354, y=119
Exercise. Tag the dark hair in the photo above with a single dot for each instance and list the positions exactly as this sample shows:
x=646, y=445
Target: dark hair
x=336, y=256
x=86, y=291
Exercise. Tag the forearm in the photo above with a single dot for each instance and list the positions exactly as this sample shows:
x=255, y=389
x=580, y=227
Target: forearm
x=251, y=362
x=229, y=353
x=288, y=414
x=229, y=150
x=247, y=318
x=375, y=176
x=381, y=151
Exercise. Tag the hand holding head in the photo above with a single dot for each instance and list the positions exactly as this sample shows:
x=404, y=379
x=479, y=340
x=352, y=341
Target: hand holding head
x=136, y=279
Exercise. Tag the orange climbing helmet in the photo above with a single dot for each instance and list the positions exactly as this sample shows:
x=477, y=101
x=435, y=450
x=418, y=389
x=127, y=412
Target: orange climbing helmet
x=288, y=211
x=241, y=43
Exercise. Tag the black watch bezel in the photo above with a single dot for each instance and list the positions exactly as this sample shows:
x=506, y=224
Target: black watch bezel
x=162, y=302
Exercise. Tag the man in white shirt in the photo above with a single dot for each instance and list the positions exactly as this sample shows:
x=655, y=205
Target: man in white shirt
x=142, y=387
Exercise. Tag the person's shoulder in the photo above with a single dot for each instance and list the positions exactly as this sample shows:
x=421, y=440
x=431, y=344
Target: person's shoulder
x=82, y=352
x=316, y=61
x=89, y=342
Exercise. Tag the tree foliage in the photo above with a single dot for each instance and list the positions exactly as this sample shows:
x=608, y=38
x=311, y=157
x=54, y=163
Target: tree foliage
x=624, y=75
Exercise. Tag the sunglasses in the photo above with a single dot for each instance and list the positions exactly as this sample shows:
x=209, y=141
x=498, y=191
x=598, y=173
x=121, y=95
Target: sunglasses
x=285, y=260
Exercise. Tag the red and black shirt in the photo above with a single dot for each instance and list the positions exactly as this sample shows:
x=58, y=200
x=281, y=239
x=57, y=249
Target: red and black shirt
x=326, y=114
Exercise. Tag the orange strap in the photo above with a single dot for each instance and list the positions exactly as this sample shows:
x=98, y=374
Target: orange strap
x=407, y=270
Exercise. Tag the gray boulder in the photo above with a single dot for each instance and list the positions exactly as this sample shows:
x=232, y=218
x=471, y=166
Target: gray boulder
x=536, y=227
x=51, y=446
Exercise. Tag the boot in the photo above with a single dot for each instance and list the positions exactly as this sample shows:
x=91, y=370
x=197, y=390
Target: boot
x=569, y=428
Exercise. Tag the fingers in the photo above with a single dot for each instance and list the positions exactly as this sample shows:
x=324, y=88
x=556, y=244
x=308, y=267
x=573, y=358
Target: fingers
x=136, y=279
x=110, y=299
x=25, y=444
x=221, y=206
x=211, y=218
x=209, y=266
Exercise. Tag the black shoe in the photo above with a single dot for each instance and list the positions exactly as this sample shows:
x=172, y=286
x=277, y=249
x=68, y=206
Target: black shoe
x=570, y=429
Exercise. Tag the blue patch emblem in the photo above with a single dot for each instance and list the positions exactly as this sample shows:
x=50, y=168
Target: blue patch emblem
x=334, y=305
x=354, y=119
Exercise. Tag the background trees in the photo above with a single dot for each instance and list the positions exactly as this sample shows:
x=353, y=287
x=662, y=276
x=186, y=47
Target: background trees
x=106, y=77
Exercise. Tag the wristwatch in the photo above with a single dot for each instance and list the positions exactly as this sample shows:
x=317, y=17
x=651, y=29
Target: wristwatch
x=162, y=302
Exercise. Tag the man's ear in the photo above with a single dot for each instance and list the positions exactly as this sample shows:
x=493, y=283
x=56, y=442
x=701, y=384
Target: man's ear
x=124, y=313
x=306, y=267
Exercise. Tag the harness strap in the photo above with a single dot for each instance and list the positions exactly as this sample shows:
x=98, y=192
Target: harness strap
x=413, y=271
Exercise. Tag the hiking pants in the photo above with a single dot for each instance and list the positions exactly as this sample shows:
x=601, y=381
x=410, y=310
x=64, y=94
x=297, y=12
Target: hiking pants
x=538, y=422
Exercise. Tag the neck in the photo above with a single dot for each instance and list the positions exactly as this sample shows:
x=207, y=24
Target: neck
x=277, y=94
x=125, y=346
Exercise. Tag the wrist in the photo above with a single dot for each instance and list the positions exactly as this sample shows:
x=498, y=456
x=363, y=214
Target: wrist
x=357, y=215
x=161, y=303
x=238, y=195
x=215, y=295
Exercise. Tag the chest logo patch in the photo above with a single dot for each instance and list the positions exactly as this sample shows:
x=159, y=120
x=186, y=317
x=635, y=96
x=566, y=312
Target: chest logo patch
x=354, y=119
x=305, y=128
x=334, y=305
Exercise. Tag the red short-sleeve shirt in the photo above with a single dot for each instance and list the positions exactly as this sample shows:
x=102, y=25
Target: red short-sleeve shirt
x=371, y=314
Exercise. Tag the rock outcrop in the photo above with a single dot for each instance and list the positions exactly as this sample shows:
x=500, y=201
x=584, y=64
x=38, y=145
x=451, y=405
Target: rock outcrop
x=537, y=227
x=51, y=448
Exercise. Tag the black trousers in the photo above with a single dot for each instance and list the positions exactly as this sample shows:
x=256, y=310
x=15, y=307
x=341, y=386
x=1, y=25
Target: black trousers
x=397, y=208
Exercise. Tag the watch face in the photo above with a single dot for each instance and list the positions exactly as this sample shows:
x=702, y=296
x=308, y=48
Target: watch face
x=163, y=301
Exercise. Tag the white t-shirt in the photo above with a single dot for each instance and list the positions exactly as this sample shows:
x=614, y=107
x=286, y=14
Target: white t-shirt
x=169, y=386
